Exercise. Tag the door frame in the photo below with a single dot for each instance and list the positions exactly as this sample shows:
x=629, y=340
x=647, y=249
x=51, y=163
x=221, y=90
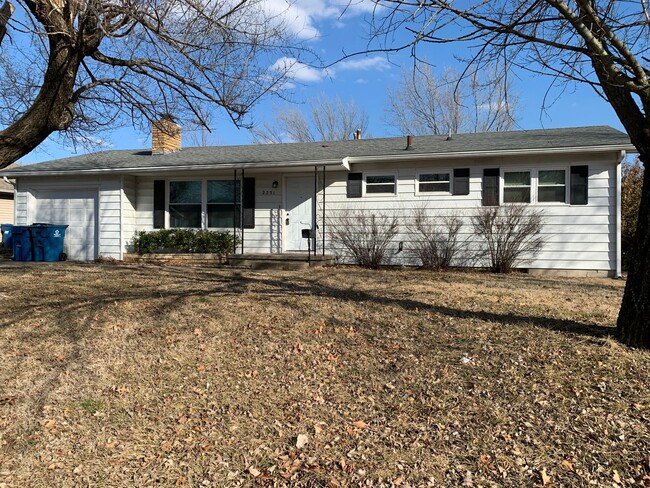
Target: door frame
x=285, y=229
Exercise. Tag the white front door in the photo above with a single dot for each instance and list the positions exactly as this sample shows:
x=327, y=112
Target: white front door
x=75, y=208
x=299, y=195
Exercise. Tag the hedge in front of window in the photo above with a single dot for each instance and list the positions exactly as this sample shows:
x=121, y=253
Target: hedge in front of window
x=183, y=241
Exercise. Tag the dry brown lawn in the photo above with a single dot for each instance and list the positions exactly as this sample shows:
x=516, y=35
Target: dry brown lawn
x=113, y=375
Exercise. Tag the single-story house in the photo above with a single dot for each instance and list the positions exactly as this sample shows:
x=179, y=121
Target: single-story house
x=268, y=194
x=7, y=199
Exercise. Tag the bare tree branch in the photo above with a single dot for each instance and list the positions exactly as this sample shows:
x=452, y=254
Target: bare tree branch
x=76, y=65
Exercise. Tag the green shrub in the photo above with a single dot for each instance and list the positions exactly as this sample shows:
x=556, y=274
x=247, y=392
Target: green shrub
x=183, y=241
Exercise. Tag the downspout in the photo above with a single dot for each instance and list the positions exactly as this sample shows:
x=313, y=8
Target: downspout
x=314, y=209
x=619, y=267
x=122, y=197
x=234, y=213
x=323, y=229
x=241, y=209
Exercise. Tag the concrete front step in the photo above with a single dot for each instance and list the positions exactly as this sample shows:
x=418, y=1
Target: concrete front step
x=284, y=261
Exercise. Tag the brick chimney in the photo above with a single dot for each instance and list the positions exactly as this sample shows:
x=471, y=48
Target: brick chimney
x=165, y=136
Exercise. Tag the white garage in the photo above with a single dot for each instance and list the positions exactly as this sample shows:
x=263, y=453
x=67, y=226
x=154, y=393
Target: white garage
x=75, y=208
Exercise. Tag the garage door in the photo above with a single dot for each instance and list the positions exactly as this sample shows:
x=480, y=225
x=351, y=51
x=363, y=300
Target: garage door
x=78, y=210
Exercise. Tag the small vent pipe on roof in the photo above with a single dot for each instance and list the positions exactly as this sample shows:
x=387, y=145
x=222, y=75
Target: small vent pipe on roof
x=409, y=142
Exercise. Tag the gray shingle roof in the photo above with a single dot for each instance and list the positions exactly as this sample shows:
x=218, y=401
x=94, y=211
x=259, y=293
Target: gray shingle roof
x=273, y=154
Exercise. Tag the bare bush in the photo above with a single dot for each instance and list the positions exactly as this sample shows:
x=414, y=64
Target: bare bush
x=363, y=235
x=435, y=238
x=511, y=234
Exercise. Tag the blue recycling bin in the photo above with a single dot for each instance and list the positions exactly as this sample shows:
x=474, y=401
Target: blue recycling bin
x=7, y=236
x=22, y=243
x=47, y=242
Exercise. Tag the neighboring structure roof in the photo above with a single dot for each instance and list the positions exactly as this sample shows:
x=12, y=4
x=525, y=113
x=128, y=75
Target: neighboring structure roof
x=339, y=152
x=7, y=187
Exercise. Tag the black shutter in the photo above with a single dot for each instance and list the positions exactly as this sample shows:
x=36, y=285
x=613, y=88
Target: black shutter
x=579, y=185
x=461, y=181
x=491, y=187
x=159, y=204
x=355, y=185
x=249, y=203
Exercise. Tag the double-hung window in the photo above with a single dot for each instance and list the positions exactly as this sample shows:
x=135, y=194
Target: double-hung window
x=223, y=205
x=434, y=182
x=378, y=184
x=516, y=187
x=185, y=204
x=551, y=186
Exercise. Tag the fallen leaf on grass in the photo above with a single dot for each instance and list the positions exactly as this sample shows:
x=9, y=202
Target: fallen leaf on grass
x=318, y=427
x=301, y=441
x=567, y=465
x=617, y=478
x=254, y=472
x=49, y=424
x=360, y=424
x=546, y=479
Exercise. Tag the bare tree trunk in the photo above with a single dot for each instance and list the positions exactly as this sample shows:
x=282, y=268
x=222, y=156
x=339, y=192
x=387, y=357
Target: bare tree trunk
x=634, y=318
x=5, y=13
x=52, y=109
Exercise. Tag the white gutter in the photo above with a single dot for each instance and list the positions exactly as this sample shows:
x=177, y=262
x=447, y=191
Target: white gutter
x=619, y=266
x=344, y=163
x=408, y=155
x=185, y=167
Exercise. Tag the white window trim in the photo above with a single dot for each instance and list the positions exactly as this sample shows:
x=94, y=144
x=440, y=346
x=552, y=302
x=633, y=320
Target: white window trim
x=567, y=186
x=450, y=172
x=379, y=173
x=168, y=185
x=205, y=207
x=204, y=201
x=533, y=186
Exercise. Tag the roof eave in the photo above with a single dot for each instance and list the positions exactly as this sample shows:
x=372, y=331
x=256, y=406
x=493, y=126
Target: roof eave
x=344, y=163
x=170, y=169
x=630, y=148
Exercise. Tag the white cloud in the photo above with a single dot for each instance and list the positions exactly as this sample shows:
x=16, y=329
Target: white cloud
x=298, y=71
x=378, y=63
x=361, y=81
x=302, y=73
x=297, y=20
x=300, y=16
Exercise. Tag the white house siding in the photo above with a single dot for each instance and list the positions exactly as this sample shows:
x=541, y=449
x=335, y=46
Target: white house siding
x=108, y=197
x=266, y=237
x=129, y=200
x=578, y=237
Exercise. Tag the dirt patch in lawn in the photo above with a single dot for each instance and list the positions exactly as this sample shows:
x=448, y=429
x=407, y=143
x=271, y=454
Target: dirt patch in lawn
x=141, y=375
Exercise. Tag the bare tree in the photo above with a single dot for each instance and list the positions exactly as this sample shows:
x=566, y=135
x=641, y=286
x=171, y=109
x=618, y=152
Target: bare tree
x=363, y=235
x=328, y=120
x=435, y=238
x=6, y=10
x=631, y=191
x=80, y=65
x=423, y=103
x=511, y=235
x=603, y=43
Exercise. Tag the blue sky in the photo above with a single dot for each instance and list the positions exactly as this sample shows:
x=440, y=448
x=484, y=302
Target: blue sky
x=330, y=32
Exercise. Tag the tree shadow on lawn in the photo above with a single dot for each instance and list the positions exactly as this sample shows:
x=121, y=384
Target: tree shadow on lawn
x=72, y=318
x=240, y=282
x=192, y=284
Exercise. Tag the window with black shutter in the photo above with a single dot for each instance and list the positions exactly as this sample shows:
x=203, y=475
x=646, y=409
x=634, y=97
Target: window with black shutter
x=461, y=181
x=491, y=187
x=355, y=185
x=579, y=185
x=159, y=204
